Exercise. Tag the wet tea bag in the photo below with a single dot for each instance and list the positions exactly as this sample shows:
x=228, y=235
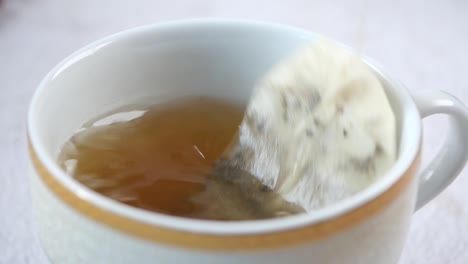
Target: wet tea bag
x=318, y=128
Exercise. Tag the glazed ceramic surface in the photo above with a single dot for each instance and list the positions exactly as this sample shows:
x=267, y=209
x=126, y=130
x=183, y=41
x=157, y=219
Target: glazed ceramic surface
x=218, y=58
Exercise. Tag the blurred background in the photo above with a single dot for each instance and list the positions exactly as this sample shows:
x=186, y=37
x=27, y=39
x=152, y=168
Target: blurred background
x=423, y=43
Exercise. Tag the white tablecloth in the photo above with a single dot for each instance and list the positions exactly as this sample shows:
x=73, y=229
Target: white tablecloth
x=422, y=42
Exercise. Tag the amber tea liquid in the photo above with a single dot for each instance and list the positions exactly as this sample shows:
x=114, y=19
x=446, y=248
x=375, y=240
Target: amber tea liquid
x=160, y=161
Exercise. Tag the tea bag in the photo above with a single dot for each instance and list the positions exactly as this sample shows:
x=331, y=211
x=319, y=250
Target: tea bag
x=235, y=194
x=318, y=129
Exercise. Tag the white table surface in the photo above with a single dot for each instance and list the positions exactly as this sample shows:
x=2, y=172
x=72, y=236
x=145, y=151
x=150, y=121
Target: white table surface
x=422, y=42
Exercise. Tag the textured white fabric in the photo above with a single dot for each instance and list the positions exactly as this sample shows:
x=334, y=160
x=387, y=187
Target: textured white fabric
x=423, y=43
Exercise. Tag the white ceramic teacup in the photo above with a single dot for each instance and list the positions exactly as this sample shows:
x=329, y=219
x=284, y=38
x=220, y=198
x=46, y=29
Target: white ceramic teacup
x=224, y=59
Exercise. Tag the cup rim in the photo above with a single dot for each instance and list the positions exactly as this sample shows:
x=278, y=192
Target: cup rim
x=402, y=165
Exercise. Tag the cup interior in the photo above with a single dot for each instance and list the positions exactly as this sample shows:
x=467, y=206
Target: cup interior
x=221, y=59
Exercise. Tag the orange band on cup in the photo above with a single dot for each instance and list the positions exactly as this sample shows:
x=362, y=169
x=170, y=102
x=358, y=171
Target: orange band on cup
x=300, y=235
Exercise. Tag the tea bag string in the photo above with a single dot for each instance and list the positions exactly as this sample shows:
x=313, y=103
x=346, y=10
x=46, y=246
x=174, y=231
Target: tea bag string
x=361, y=27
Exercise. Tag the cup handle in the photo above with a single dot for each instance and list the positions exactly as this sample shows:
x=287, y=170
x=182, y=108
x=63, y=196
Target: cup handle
x=452, y=156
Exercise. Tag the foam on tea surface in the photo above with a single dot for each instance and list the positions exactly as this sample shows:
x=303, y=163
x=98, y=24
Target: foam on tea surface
x=163, y=159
